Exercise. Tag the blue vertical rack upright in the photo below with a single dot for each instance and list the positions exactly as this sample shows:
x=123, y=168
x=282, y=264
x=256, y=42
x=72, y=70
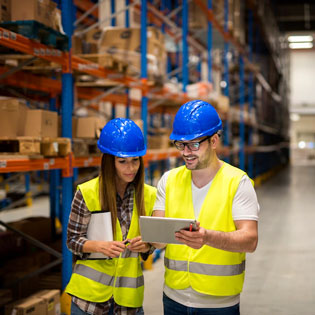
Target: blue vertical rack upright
x=66, y=110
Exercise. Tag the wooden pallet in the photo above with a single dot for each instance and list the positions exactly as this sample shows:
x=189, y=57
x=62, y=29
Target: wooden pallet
x=85, y=147
x=37, y=31
x=31, y=146
x=20, y=145
x=109, y=61
x=55, y=146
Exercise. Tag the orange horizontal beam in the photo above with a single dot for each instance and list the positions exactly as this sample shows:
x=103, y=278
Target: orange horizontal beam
x=30, y=81
x=95, y=69
x=154, y=155
x=87, y=21
x=86, y=161
x=90, y=93
x=23, y=44
x=85, y=6
x=24, y=165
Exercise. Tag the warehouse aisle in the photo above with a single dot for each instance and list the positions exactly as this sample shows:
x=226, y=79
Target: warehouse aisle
x=280, y=277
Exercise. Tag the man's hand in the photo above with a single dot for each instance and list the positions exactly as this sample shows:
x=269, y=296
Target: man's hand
x=194, y=239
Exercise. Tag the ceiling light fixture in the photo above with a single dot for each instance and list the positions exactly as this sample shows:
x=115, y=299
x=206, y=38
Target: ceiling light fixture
x=300, y=39
x=301, y=45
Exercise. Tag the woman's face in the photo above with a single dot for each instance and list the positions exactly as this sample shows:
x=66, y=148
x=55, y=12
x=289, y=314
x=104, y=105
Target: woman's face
x=127, y=168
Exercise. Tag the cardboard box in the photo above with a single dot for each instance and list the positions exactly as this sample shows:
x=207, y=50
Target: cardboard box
x=89, y=127
x=29, y=306
x=5, y=10
x=12, y=117
x=39, y=10
x=125, y=45
x=41, y=123
x=91, y=41
x=51, y=299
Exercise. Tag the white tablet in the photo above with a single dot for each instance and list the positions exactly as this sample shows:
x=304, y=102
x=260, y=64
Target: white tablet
x=162, y=230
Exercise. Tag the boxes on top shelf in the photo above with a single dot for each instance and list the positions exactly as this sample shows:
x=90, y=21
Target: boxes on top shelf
x=12, y=117
x=40, y=10
x=125, y=44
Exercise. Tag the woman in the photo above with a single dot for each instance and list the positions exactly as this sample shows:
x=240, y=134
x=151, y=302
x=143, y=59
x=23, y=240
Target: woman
x=113, y=282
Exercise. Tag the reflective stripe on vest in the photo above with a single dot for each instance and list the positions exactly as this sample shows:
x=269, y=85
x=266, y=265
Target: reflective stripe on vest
x=205, y=269
x=100, y=277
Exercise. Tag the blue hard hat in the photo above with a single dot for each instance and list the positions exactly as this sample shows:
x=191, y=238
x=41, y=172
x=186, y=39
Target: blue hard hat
x=195, y=119
x=123, y=138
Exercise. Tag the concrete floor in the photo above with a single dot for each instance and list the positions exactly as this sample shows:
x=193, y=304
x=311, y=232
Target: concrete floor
x=280, y=275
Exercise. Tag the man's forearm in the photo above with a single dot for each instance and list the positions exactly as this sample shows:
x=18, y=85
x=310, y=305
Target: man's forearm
x=236, y=241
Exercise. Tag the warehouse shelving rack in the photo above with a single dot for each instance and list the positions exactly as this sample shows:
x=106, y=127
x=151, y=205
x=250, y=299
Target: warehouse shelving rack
x=153, y=100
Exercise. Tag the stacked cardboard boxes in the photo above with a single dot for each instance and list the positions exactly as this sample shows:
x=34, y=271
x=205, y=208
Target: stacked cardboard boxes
x=45, y=302
x=17, y=120
x=124, y=44
x=43, y=11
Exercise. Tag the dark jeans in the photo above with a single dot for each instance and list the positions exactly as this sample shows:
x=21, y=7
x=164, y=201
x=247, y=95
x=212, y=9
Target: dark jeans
x=173, y=308
x=75, y=310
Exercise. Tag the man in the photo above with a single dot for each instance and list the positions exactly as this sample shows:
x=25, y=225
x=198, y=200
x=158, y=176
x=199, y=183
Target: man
x=205, y=275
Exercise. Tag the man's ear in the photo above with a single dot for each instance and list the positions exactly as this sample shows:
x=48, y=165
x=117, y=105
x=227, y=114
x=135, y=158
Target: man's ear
x=214, y=141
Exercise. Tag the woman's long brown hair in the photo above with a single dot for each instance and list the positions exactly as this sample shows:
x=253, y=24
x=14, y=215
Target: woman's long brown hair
x=108, y=189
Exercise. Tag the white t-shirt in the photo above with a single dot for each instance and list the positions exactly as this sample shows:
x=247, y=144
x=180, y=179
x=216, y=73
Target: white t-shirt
x=245, y=207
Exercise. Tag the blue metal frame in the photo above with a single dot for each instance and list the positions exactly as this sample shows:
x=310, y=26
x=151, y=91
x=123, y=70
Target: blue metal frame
x=185, y=68
x=209, y=44
x=113, y=111
x=242, y=125
x=144, y=72
x=67, y=107
x=250, y=92
x=127, y=18
x=113, y=10
x=226, y=74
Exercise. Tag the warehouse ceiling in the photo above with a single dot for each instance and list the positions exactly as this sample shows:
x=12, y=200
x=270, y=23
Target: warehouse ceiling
x=294, y=15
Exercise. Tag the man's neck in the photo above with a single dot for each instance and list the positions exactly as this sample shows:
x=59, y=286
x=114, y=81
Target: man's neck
x=202, y=177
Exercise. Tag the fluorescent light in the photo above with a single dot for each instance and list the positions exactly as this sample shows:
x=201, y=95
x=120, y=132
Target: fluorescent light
x=300, y=45
x=299, y=39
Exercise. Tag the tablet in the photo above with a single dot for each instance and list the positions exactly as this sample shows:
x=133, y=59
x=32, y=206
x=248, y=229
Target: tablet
x=162, y=230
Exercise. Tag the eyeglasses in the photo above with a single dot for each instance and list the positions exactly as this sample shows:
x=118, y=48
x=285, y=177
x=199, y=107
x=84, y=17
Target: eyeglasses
x=192, y=146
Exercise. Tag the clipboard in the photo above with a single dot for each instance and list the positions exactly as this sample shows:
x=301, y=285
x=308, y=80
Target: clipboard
x=162, y=230
x=100, y=229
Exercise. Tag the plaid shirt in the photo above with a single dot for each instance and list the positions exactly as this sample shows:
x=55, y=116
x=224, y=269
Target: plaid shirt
x=76, y=237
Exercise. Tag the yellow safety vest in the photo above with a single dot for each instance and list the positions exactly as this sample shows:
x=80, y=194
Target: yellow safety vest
x=207, y=270
x=99, y=280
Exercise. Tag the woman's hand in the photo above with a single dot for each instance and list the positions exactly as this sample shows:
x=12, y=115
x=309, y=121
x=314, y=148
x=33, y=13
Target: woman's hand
x=111, y=248
x=136, y=245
